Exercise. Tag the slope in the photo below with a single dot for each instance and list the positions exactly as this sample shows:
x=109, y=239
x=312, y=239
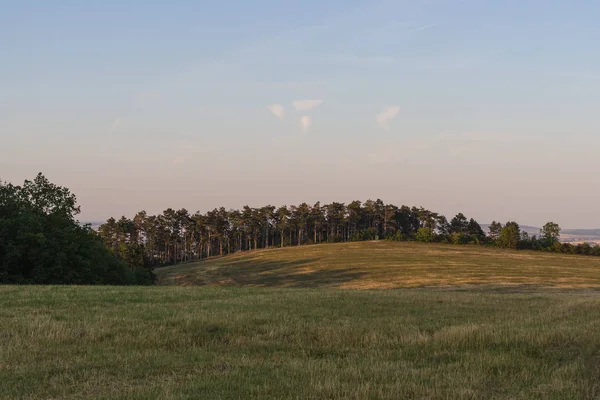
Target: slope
x=366, y=265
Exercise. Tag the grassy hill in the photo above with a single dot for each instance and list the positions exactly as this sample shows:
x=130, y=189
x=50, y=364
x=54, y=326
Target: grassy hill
x=245, y=334
x=382, y=264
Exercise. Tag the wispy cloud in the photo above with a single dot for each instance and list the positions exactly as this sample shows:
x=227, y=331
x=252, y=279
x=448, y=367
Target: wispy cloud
x=421, y=28
x=306, y=105
x=278, y=110
x=387, y=116
x=306, y=122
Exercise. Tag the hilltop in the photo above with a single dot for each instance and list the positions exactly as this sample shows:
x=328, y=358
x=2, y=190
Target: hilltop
x=382, y=264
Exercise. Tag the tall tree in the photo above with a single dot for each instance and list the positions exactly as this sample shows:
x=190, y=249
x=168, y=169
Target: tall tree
x=459, y=224
x=283, y=223
x=318, y=222
x=495, y=229
x=474, y=229
x=550, y=233
x=510, y=235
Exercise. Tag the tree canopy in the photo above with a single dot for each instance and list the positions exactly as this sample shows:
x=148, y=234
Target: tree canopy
x=42, y=243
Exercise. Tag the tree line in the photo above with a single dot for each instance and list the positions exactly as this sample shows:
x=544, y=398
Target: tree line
x=177, y=236
x=41, y=242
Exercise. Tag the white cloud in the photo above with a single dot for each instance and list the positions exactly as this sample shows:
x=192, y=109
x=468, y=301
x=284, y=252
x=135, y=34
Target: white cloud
x=116, y=124
x=278, y=110
x=384, y=118
x=306, y=122
x=306, y=105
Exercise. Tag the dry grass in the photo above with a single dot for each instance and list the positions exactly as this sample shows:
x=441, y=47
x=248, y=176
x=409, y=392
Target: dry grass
x=385, y=265
x=237, y=343
x=487, y=327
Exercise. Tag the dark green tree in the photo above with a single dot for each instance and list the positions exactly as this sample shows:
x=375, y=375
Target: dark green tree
x=495, y=230
x=459, y=224
x=474, y=229
x=41, y=241
x=550, y=233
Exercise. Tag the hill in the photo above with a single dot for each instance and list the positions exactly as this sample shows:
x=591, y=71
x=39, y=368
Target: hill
x=583, y=232
x=509, y=337
x=382, y=264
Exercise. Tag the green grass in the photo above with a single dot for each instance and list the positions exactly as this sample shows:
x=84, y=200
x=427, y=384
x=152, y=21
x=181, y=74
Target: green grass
x=367, y=265
x=232, y=343
x=293, y=334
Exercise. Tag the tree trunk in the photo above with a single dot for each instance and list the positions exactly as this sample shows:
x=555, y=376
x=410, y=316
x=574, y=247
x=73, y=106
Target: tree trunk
x=209, y=245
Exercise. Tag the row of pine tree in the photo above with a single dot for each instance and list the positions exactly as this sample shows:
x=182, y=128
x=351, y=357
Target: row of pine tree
x=178, y=236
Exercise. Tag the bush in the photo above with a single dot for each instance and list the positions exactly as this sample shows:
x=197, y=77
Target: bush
x=397, y=237
x=425, y=235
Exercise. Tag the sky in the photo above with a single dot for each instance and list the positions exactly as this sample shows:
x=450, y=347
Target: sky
x=484, y=107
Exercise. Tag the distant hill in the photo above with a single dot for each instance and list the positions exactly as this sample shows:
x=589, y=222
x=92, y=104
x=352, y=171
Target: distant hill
x=531, y=230
x=566, y=235
x=94, y=224
x=582, y=232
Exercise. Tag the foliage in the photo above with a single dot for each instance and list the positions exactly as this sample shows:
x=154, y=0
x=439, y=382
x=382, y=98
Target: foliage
x=550, y=233
x=474, y=229
x=177, y=236
x=459, y=224
x=39, y=222
x=495, y=230
x=425, y=235
x=42, y=243
x=510, y=236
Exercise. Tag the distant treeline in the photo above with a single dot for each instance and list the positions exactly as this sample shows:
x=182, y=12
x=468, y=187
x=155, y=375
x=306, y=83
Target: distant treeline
x=41, y=242
x=178, y=236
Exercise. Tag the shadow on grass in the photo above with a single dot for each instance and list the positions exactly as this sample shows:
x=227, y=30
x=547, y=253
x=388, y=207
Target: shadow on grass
x=257, y=272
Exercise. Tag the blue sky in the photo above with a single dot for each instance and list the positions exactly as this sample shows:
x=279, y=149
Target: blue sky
x=484, y=107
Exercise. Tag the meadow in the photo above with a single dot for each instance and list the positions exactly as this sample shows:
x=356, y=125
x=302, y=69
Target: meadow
x=387, y=265
x=453, y=323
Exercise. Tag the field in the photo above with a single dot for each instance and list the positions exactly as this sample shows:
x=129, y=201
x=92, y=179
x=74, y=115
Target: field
x=276, y=325
x=387, y=265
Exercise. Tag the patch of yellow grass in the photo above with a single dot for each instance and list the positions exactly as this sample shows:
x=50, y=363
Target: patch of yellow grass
x=387, y=265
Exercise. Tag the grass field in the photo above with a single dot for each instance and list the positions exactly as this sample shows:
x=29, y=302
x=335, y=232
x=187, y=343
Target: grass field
x=370, y=265
x=315, y=341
